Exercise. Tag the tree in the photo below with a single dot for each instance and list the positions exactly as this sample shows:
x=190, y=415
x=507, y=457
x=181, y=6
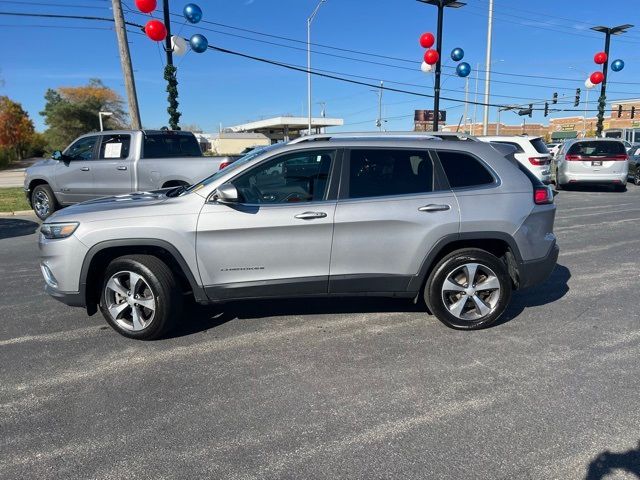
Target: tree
x=73, y=111
x=16, y=129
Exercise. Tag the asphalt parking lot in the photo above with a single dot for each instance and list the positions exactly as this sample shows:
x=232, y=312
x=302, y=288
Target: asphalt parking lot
x=364, y=388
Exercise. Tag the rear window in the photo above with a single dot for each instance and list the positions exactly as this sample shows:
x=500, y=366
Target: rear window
x=539, y=145
x=597, y=148
x=463, y=170
x=163, y=145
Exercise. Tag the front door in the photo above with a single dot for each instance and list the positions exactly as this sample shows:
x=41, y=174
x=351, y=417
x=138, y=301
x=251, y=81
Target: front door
x=276, y=241
x=74, y=176
x=113, y=169
x=392, y=210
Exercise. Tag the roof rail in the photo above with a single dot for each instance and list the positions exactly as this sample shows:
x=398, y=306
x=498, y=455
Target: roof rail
x=356, y=135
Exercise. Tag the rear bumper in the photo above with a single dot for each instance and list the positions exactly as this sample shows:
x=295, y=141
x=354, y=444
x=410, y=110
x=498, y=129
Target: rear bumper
x=535, y=272
x=595, y=179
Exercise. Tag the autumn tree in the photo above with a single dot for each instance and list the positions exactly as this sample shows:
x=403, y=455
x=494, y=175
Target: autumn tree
x=16, y=130
x=73, y=111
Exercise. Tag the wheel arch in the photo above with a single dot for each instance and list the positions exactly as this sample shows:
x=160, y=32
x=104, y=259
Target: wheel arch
x=99, y=256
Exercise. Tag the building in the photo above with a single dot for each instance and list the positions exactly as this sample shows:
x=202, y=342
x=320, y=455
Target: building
x=621, y=124
x=230, y=143
x=572, y=127
x=285, y=128
x=534, y=129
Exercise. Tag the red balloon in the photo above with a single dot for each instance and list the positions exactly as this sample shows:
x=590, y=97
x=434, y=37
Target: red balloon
x=146, y=6
x=431, y=56
x=600, y=58
x=155, y=30
x=427, y=40
x=596, y=77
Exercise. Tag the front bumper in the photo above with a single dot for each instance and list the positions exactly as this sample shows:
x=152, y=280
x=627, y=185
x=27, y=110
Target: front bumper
x=535, y=272
x=73, y=299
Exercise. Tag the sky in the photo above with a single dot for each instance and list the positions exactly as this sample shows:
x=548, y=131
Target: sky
x=539, y=38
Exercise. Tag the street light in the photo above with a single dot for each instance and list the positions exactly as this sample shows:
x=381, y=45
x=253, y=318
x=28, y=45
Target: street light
x=602, y=101
x=441, y=4
x=309, y=20
x=106, y=114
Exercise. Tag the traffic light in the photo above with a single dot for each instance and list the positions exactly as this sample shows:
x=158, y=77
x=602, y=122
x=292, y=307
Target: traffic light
x=619, y=111
x=546, y=108
x=633, y=112
x=530, y=110
x=577, y=102
x=555, y=98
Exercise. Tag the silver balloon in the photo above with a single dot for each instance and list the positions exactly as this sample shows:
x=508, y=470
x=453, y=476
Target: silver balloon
x=426, y=68
x=178, y=45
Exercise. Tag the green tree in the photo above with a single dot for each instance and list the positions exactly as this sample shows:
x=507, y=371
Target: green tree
x=73, y=111
x=16, y=130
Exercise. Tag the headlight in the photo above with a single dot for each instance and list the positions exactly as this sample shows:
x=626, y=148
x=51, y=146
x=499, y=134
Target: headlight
x=58, y=230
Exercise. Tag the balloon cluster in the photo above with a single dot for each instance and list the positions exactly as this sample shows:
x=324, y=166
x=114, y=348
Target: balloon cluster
x=156, y=30
x=431, y=56
x=598, y=77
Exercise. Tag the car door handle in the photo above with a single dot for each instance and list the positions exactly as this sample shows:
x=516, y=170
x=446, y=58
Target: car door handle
x=121, y=167
x=432, y=207
x=310, y=215
x=84, y=169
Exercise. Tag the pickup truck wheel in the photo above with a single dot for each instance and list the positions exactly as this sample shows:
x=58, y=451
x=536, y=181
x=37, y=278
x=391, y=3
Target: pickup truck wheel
x=468, y=289
x=140, y=297
x=43, y=201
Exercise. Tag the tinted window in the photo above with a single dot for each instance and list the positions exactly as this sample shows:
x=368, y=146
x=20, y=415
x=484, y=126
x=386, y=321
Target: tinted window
x=513, y=144
x=463, y=170
x=597, y=148
x=83, y=149
x=539, y=145
x=375, y=173
x=162, y=145
x=115, y=146
x=293, y=178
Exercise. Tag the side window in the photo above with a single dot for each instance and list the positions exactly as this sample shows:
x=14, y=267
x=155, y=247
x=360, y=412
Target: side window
x=294, y=178
x=115, y=146
x=376, y=173
x=82, y=149
x=463, y=170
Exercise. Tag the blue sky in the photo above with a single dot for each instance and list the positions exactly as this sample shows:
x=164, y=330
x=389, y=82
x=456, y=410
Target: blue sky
x=541, y=38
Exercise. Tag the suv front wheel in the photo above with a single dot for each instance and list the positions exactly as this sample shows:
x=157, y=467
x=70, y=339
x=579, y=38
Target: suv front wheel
x=468, y=289
x=140, y=296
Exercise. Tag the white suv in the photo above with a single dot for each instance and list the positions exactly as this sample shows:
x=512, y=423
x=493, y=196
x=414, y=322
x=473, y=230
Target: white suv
x=530, y=152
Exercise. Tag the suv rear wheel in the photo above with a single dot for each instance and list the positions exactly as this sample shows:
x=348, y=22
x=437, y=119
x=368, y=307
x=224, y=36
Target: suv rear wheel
x=140, y=297
x=468, y=289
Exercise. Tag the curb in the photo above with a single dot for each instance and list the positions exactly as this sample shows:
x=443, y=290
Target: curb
x=17, y=213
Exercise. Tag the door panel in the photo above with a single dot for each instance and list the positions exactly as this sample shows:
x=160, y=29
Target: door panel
x=113, y=169
x=74, y=175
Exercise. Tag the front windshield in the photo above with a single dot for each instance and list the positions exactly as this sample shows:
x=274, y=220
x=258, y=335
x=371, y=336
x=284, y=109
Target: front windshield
x=238, y=163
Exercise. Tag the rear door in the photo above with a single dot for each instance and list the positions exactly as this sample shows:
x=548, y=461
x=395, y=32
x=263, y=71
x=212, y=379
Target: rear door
x=74, y=175
x=391, y=211
x=113, y=169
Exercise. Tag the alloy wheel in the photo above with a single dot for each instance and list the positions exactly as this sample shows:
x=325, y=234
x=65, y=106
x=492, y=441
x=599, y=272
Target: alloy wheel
x=471, y=291
x=130, y=301
x=41, y=204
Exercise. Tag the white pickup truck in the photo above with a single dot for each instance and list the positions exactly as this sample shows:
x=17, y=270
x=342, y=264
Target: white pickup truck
x=117, y=162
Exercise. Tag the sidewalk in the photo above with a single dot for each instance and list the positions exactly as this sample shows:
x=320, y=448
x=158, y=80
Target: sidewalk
x=14, y=176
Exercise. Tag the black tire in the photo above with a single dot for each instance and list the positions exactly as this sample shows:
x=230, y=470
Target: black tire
x=636, y=179
x=434, y=296
x=620, y=188
x=38, y=196
x=160, y=280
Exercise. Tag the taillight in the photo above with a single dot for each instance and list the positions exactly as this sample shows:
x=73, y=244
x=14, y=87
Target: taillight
x=538, y=160
x=223, y=164
x=619, y=158
x=542, y=195
x=572, y=157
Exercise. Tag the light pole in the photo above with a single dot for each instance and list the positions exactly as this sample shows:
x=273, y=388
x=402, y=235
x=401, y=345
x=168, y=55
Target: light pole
x=487, y=71
x=100, y=114
x=602, y=101
x=441, y=4
x=309, y=20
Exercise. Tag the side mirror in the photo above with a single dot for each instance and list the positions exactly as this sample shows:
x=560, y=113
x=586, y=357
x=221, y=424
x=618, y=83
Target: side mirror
x=57, y=155
x=226, y=193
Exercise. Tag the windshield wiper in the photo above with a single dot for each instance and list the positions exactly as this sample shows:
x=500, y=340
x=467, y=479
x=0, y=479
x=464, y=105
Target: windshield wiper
x=174, y=192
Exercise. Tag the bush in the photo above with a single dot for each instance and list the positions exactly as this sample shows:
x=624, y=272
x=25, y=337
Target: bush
x=6, y=157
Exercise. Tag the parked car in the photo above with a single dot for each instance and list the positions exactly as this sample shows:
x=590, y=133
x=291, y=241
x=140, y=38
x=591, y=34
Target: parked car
x=453, y=224
x=117, y=162
x=634, y=164
x=553, y=148
x=530, y=152
x=601, y=161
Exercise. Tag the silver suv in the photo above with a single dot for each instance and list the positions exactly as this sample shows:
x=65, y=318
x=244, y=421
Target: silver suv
x=456, y=225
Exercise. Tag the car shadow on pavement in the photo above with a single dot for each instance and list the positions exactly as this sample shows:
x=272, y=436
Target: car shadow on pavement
x=198, y=318
x=15, y=227
x=607, y=462
x=550, y=291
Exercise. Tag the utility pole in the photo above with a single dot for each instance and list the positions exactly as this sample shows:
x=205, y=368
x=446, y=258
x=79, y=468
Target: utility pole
x=475, y=102
x=125, y=63
x=441, y=4
x=487, y=72
x=379, y=121
x=602, y=101
x=466, y=102
x=170, y=72
x=309, y=22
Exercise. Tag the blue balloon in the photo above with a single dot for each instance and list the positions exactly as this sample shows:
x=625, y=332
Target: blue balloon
x=617, y=65
x=192, y=12
x=199, y=43
x=463, y=69
x=457, y=54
